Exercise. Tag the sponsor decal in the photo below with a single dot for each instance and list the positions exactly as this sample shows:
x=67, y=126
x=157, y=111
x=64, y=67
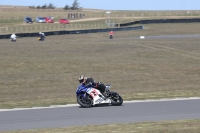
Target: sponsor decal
x=94, y=93
x=99, y=100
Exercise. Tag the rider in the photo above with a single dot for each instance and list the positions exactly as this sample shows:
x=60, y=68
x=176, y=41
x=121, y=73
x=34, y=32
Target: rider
x=111, y=33
x=42, y=36
x=13, y=37
x=89, y=82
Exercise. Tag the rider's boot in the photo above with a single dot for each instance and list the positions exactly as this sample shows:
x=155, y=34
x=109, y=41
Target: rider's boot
x=107, y=93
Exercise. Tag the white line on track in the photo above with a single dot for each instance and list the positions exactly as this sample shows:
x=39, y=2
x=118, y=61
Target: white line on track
x=72, y=105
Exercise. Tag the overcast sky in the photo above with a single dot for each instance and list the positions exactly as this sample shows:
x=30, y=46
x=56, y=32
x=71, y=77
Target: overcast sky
x=115, y=4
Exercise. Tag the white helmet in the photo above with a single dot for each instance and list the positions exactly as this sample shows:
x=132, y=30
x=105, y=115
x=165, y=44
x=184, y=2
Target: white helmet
x=82, y=78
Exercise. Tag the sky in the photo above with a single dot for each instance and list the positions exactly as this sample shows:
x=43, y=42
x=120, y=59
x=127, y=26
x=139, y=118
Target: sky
x=114, y=4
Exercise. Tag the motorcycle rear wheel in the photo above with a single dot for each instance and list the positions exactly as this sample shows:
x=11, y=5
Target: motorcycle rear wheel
x=116, y=99
x=85, y=102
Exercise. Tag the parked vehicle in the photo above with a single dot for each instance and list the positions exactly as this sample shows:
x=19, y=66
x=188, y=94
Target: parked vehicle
x=63, y=21
x=28, y=20
x=50, y=17
x=49, y=20
x=89, y=97
x=40, y=20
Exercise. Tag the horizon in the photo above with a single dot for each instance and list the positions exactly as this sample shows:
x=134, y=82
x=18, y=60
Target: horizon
x=13, y=6
x=113, y=5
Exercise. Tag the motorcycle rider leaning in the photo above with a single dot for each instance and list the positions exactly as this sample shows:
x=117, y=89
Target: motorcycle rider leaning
x=89, y=82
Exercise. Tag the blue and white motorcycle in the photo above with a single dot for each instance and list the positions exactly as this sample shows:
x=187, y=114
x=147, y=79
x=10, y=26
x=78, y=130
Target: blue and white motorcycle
x=89, y=97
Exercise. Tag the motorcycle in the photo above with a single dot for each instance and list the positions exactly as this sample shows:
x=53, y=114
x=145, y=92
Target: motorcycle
x=111, y=36
x=41, y=38
x=89, y=97
x=13, y=39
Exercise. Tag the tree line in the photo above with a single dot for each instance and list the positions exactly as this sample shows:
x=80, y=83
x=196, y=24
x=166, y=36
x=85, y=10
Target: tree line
x=74, y=6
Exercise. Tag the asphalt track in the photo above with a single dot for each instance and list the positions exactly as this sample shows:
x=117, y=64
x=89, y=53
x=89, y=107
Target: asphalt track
x=170, y=36
x=175, y=36
x=73, y=115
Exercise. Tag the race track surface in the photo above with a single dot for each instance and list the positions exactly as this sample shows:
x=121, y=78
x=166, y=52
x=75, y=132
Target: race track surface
x=142, y=111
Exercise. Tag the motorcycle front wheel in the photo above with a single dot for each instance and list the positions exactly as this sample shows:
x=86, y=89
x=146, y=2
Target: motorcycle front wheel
x=84, y=101
x=116, y=99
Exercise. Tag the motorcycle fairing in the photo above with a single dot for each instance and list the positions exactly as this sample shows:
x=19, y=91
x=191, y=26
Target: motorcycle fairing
x=94, y=93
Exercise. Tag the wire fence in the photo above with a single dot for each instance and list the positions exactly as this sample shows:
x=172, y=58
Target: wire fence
x=42, y=28
x=20, y=13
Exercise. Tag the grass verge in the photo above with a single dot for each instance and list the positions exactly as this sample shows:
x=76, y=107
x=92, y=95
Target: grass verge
x=180, y=126
x=37, y=73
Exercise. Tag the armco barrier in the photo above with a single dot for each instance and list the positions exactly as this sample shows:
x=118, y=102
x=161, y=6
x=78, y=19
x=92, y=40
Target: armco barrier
x=127, y=24
x=7, y=36
x=191, y=20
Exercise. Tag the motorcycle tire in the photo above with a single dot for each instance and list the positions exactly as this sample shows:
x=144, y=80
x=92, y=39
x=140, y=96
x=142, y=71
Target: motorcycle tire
x=84, y=102
x=116, y=99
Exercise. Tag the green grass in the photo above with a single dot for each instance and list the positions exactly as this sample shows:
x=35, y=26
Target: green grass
x=37, y=73
x=181, y=126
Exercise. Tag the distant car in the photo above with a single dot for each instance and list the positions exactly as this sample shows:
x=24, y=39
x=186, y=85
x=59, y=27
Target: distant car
x=49, y=20
x=50, y=17
x=63, y=21
x=40, y=20
x=28, y=20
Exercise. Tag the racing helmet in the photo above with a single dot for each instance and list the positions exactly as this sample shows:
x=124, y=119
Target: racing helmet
x=82, y=78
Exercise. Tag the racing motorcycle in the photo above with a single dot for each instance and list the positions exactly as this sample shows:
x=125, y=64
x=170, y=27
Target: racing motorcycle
x=89, y=97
